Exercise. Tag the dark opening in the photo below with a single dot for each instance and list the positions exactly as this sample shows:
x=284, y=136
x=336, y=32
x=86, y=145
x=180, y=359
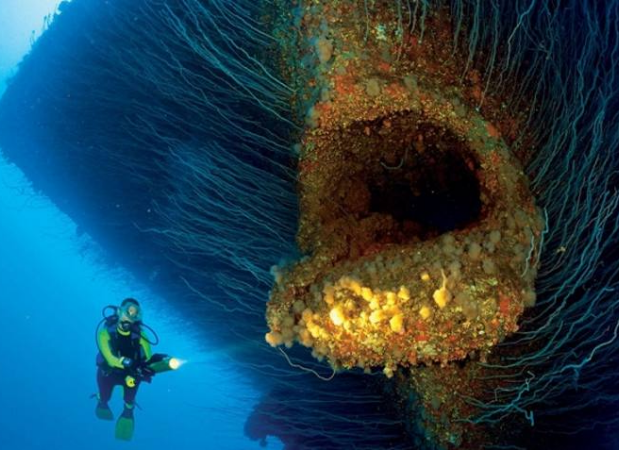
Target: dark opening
x=433, y=187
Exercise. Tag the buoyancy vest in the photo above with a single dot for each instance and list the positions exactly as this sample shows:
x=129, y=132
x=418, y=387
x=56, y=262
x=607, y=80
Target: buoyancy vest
x=123, y=345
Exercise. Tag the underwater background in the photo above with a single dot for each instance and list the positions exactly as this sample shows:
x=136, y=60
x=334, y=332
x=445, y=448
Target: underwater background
x=54, y=286
x=155, y=149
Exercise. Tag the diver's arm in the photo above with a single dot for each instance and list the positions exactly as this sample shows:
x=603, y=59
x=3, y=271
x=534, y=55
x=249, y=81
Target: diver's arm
x=146, y=350
x=103, y=339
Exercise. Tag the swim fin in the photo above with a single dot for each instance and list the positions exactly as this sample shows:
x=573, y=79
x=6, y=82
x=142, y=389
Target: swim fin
x=103, y=412
x=125, y=425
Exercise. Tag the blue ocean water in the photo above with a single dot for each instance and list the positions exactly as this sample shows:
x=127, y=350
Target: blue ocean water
x=21, y=22
x=53, y=287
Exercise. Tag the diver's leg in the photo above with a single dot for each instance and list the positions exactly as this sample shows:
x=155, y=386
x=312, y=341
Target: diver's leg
x=129, y=394
x=125, y=423
x=105, y=382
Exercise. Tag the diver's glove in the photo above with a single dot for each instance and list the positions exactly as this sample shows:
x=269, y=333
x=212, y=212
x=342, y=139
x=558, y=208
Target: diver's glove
x=126, y=362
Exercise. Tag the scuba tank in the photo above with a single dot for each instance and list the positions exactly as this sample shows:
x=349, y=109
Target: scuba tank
x=112, y=318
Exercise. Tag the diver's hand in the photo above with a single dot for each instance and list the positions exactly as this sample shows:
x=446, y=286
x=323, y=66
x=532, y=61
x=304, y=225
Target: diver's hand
x=126, y=362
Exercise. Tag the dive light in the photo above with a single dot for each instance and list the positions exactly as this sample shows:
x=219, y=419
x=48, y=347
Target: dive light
x=161, y=363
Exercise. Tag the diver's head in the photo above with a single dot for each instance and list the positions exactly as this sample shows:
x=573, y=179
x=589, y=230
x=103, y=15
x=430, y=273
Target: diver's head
x=129, y=313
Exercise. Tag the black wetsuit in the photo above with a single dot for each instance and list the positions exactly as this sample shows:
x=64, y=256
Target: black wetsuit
x=113, y=345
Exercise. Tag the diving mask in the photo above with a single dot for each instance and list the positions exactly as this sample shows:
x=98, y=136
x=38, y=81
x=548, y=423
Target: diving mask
x=128, y=314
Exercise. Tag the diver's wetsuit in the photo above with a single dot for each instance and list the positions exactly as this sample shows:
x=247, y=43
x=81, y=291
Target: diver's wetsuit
x=114, y=345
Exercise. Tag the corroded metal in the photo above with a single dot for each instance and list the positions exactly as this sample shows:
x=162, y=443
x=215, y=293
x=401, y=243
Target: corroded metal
x=386, y=111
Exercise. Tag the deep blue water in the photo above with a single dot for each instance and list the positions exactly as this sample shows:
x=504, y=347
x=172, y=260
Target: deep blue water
x=52, y=289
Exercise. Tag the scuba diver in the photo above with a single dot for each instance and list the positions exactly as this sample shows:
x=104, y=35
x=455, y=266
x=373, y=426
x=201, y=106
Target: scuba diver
x=125, y=359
